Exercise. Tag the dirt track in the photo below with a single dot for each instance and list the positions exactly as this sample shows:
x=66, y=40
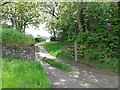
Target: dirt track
x=85, y=76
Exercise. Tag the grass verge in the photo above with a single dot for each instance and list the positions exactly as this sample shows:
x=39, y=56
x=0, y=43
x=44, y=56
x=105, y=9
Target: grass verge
x=54, y=48
x=11, y=36
x=58, y=64
x=111, y=64
x=106, y=63
x=23, y=74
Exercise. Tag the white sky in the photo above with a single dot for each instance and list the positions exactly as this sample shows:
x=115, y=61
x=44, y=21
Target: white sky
x=42, y=31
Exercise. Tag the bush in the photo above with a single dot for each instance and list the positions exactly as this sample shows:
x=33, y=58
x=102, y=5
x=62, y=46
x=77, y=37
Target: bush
x=53, y=38
x=99, y=49
x=39, y=39
x=6, y=26
x=10, y=36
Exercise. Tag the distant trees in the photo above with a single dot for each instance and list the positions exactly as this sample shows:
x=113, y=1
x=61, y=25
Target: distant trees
x=40, y=39
x=51, y=14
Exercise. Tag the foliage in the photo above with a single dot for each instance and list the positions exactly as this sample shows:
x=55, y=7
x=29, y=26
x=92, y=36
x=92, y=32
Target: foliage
x=4, y=25
x=10, y=36
x=20, y=14
x=106, y=63
x=53, y=38
x=39, y=39
x=58, y=64
x=95, y=27
x=51, y=11
x=94, y=58
x=54, y=48
x=23, y=74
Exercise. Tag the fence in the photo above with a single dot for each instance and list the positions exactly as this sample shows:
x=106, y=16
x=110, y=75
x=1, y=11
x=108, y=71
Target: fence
x=70, y=51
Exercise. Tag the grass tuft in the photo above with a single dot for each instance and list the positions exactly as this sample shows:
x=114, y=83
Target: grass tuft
x=36, y=48
x=58, y=64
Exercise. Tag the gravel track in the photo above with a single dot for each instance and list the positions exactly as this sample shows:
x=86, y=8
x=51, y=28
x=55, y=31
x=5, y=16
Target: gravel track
x=84, y=76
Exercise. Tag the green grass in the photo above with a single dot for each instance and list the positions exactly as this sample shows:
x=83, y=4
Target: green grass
x=10, y=36
x=58, y=64
x=54, y=48
x=23, y=74
x=36, y=48
x=106, y=63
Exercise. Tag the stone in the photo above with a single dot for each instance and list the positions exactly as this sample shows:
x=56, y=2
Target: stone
x=20, y=52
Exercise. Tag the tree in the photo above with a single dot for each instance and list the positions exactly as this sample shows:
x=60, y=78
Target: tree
x=20, y=14
x=51, y=14
x=92, y=24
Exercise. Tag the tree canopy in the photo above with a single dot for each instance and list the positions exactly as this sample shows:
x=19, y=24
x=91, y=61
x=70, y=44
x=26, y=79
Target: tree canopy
x=20, y=14
x=94, y=25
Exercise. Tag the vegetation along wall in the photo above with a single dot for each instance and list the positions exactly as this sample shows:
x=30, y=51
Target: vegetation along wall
x=16, y=44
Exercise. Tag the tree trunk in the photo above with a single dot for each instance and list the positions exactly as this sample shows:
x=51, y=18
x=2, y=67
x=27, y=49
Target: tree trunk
x=78, y=16
x=54, y=33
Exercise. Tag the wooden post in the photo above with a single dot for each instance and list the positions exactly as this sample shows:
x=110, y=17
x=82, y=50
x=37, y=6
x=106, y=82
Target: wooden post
x=75, y=44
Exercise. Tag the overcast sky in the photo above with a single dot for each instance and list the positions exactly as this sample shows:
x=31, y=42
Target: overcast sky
x=42, y=31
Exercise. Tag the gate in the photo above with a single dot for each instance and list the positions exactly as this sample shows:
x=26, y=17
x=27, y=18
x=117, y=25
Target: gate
x=70, y=51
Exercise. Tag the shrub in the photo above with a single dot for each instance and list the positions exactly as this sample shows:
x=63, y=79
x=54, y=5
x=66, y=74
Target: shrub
x=39, y=39
x=53, y=38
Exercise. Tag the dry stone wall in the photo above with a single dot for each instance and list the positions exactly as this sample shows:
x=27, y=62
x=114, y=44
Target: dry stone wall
x=20, y=52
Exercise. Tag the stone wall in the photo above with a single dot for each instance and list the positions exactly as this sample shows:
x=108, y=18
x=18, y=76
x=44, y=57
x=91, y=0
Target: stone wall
x=20, y=52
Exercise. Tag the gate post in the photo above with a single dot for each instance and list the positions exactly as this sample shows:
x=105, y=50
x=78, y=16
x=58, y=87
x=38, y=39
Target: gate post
x=75, y=45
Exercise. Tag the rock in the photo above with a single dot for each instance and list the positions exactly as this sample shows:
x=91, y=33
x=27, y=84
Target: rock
x=20, y=52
